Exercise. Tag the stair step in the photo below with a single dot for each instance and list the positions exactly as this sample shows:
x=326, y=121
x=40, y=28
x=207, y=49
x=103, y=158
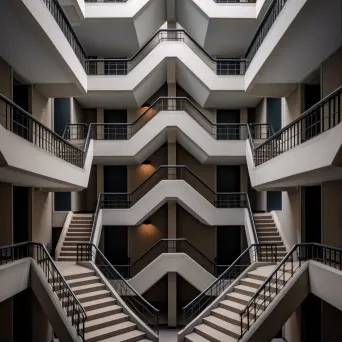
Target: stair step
x=104, y=322
x=68, y=254
x=87, y=297
x=246, y=290
x=269, y=238
x=78, y=290
x=238, y=298
x=69, y=259
x=99, y=303
x=77, y=234
x=78, y=239
x=251, y=282
x=103, y=312
x=231, y=306
x=71, y=243
x=224, y=327
x=131, y=336
x=194, y=337
x=80, y=230
x=261, y=233
x=212, y=334
x=265, y=225
x=226, y=315
x=80, y=274
x=69, y=248
x=114, y=330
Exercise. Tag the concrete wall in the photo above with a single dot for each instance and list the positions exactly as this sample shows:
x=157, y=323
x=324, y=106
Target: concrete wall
x=203, y=237
x=6, y=79
x=6, y=198
x=76, y=112
x=331, y=73
x=144, y=236
x=332, y=213
x=261, y=111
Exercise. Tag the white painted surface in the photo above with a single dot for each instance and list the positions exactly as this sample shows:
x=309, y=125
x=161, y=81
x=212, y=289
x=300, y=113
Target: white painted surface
x=58, y=218
x=63, y=234
x=189, y=133
x=309, y=163
x=185, y=195
x=30, y=165
x=179, y=263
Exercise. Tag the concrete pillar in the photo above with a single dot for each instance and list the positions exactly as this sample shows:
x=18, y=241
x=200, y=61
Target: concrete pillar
x=243, y=178
x=172, y=299
x=99, y=175
x=100, y=119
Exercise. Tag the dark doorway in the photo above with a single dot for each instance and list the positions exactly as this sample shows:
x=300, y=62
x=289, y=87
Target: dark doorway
x=115, y=178
x=274, y=200
x=231, y=131
x=20, y=214
x=21, y=98
x=312, y=95
x=274, y=113
x=22, y=313
x=227, y=180
x=115, y=132
x=311, y=312
x=116, y=244
x=312, y=214
x=61, y=115
x=228, y=245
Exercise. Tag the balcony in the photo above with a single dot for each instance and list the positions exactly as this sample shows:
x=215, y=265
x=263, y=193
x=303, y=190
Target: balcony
x=33, y=155
x=132, y=143
x=305, y=152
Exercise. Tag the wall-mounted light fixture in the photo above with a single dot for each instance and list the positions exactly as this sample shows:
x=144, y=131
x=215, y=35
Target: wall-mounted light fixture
x=147, y=162
x=146, y=105
x=148, y=221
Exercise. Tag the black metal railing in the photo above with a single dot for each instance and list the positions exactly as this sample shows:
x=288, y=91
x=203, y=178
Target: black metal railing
x=285, y=270
x=169, y=246
x=125, y=131
x=99, y=1
x=122, y=66
x=142, y=308
x=174, y=172
x=63, y=22
x=23, y=124
x=255, y=252
x=73, y=308
x=267, y=22
x=323, y=116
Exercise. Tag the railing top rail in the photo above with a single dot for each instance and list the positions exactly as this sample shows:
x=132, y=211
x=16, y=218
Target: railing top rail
x=302, y=116
x=121, y=277
x=264, y=18
x=54, y=266
x=178, y=167
x=224, y=274
x=151, y=39
x=56, y=2
x=281, y=263
x=31, y=117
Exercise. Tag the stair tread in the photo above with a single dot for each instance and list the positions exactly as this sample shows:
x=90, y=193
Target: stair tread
x=112, y=328
x=217, y=335
x=233, y=304
x=253, y=281
x=227, y=313
x=109, y=308
x=194, y=337
x=90, y=278
x=87, y=286
x=91, y=294
x=98, y=302
x=237, y=295
x=224, y=324
x=109, y=318
x=126, y=336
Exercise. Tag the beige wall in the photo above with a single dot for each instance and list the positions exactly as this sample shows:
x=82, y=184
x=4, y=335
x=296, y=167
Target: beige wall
x=6, y=79
x=136, y=174
x=76, y=112
x=6, y=198
x=293, y=105
x=201, y=236
x=41, y=216
x=332, y=213
x=261, y=112
x=77, y=201
x=207, y=173
x=331, y=73
x=41, y=107
x=144, y=236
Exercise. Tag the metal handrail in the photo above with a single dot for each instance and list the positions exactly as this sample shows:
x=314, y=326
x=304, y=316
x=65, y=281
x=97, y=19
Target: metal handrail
x=256, y=40
x=160, y=242
x=162, y=31
x=170, y=102
x=89, y=257
x=30, y=117
x=196, y=305
x=295, y=134
x=61, y=293
x=250, y=312
x=70, y=28
x=96, y=215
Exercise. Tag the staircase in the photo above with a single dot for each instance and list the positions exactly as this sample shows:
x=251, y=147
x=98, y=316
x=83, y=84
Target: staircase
x=268, y=233
x=223, y=322
x=79, y=231
x=106, y=320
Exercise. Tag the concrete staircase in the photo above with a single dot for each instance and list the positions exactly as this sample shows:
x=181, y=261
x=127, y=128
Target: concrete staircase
x=223, y=322
x=106, y=320
x=79, y=231
x=268, y=233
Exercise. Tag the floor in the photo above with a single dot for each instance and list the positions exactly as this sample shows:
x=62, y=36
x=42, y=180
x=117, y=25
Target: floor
x=168, y=335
